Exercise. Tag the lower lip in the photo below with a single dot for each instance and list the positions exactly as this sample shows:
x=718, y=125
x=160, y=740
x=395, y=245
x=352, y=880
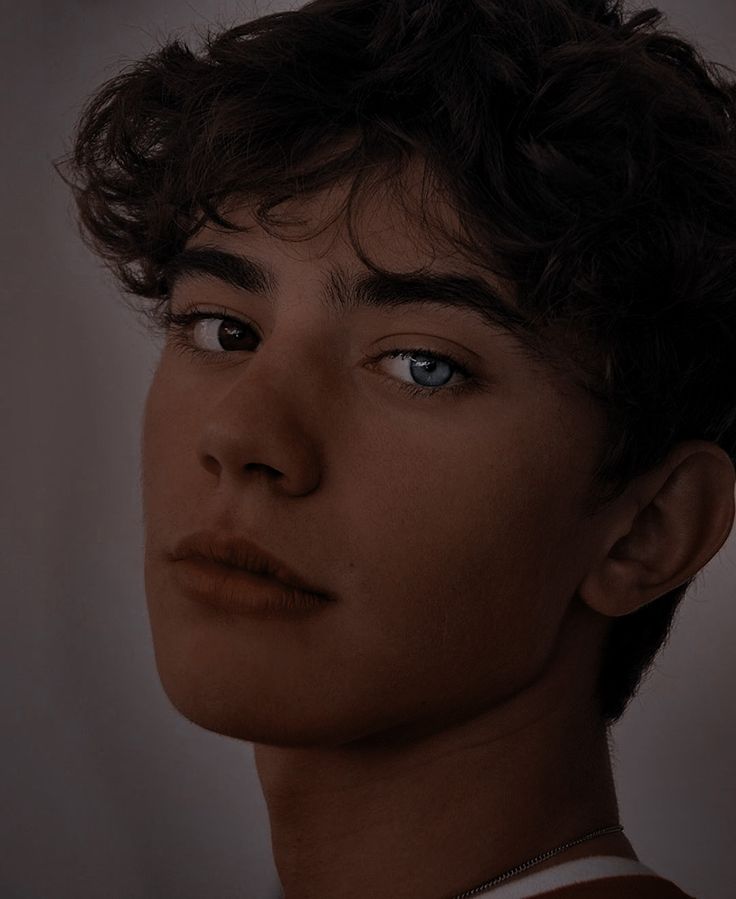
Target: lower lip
x=241, y=592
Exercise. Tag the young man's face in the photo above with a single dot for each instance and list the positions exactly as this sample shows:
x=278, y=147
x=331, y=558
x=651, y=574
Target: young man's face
x=449, y=527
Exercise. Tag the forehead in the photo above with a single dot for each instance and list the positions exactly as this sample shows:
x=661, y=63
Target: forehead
x=404, y=226
x=344, y=289
x=402, y=222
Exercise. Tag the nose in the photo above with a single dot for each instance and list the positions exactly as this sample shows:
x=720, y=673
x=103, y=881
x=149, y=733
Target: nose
x=264, y=422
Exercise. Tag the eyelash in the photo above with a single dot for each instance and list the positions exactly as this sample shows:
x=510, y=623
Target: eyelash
x=178, y=325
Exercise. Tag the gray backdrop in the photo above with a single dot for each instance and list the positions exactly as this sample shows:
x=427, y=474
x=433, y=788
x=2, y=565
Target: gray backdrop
x=107, y=791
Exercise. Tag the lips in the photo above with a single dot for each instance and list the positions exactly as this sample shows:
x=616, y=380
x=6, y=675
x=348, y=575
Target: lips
x=237, y=552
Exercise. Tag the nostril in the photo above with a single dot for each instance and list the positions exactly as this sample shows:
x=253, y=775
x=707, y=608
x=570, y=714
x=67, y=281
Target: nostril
x=259, y=466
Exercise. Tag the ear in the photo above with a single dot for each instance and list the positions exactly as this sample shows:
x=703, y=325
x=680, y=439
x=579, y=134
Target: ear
x=668, y=524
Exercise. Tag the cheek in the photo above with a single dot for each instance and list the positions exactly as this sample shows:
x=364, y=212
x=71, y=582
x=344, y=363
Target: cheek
x=168, y=451
x=155, y=440
x=458, y=573
x=458, y=580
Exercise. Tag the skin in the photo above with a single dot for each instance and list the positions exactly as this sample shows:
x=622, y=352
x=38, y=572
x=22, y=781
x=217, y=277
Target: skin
x=436, y=725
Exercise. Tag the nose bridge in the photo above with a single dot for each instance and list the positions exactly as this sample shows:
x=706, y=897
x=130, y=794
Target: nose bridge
x=270, y=415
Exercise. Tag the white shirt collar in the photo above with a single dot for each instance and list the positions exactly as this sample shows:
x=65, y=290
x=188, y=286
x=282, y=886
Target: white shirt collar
x=578, y=870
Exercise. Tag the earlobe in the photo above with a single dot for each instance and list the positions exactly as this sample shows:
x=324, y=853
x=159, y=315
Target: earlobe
x=668, y=525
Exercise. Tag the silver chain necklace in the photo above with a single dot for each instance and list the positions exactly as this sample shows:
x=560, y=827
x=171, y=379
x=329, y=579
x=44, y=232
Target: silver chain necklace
x=535, y=861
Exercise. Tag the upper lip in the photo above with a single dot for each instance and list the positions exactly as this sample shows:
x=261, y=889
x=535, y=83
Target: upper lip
x=241, y=553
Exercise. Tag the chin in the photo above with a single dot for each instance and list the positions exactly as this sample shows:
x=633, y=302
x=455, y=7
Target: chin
x=234, y=704
x=289, y=728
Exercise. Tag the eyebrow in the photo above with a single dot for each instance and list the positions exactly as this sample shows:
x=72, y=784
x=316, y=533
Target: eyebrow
x=344, y=293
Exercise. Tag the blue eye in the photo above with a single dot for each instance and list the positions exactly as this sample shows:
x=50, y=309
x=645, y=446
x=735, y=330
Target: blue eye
x=209, y=334
x=430, y=371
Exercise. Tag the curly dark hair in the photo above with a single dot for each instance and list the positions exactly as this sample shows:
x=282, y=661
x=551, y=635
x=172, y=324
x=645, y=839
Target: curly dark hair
x=589, y=154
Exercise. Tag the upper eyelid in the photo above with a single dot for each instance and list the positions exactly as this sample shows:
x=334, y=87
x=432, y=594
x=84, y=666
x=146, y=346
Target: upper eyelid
x=167, y=316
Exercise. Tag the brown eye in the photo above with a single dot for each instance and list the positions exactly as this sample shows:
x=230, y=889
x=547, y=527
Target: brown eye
x=218, y=335
x=209, y=333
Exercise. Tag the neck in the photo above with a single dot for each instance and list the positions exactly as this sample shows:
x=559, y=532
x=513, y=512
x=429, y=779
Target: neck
x=432, y=816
